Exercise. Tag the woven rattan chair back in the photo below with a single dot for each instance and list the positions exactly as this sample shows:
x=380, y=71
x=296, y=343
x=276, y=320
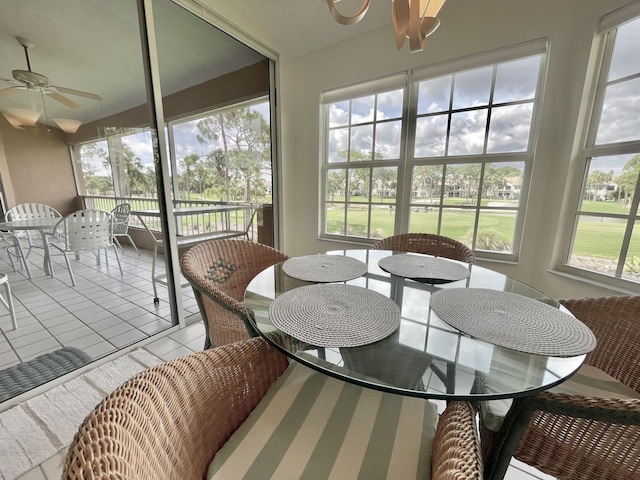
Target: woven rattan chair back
x=168, y=422
x=573, y=437
x=219, y=272
x=429, y=244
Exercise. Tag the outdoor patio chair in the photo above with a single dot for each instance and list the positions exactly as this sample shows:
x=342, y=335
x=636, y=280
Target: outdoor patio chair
x=185, y=419
x=122, y=213
x=84, y=231
x=219, y=272
x=589, y=425
x=429, y=244
x=11, y=244
x=25, y=211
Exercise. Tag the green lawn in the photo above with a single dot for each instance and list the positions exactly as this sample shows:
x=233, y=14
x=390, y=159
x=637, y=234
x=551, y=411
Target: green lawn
x=594, y=238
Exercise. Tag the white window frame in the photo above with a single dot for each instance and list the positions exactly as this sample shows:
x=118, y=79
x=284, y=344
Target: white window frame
x=606, y=33
x=406, y=162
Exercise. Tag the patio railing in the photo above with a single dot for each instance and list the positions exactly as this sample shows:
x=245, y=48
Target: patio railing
x=192, y=224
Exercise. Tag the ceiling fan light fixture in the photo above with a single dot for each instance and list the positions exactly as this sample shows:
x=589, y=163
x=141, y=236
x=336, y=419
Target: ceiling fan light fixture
x=26, y=117
x=15, y=123
x=68, y=125
x=412, y=19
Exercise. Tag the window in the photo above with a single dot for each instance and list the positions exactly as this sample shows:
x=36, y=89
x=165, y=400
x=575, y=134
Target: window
x=605, y=237
x=224, y=154
x=444, y=150
x=121, y=165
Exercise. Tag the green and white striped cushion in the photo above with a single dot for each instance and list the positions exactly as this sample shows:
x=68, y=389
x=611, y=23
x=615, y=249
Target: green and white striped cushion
x=588, y=381
x=312, y=426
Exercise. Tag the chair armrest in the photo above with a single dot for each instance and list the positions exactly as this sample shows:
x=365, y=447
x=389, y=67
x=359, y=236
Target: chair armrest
x=169, y=421
x=611, y=410
x=456, y=448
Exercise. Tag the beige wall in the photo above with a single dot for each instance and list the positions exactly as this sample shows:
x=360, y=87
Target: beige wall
x=37, y=169
x=467, y=28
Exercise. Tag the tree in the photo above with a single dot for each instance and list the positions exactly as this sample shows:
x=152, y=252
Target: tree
x=597, y=179
x=336, y=183
x=246, y=149
x=629, y=179
x=188, y=163
x=385, y=179
x=427, y=178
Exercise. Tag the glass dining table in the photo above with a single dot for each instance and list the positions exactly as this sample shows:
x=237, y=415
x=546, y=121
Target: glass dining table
x=42, y=225
x=468, y=333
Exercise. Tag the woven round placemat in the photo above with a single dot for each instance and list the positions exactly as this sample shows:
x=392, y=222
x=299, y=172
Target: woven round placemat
x=324, y=268
x=513, y=321
x=418, y=266
x=335, y=315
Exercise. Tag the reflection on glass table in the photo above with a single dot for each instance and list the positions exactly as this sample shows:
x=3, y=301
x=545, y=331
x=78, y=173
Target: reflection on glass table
x=424, y=357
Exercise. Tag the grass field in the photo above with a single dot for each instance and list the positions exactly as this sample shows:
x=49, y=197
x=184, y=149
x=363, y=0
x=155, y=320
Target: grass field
x=595, y=237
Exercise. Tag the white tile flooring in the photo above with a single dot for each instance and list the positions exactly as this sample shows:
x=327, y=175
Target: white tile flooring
x=104, y=312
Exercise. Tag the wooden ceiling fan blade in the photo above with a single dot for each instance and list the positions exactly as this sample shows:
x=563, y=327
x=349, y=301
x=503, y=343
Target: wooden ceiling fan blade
x=79, y=93
x=9, y=91
x=64, y=100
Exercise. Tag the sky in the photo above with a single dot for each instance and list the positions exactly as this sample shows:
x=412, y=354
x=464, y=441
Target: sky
x=470, y=90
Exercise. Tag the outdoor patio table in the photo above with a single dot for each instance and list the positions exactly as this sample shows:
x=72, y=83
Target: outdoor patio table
x=421, y=355
x=43, y=225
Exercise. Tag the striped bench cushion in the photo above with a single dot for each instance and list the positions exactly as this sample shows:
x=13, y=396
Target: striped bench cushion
x=312, y=426
x=588, y=381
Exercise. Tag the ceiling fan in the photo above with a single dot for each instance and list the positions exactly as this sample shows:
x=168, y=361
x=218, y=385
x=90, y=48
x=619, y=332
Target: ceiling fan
x=36, y=81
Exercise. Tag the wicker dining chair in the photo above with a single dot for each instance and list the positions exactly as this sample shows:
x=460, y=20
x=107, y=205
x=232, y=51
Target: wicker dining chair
x=170, y=421
x=572, y=436
x=219, y=272
x=427, y=243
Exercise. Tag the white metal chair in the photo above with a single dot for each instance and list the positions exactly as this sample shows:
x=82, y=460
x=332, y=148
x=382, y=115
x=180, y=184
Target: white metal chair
x=11, y=243
x=8, y=302
x=82, y=231
x=25, y=211
x=122, y=213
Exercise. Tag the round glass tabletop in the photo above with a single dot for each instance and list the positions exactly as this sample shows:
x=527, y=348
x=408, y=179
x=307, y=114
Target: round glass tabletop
x=424, y=356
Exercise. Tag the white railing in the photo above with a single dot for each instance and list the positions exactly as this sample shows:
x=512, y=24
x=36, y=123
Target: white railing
x=191, y=224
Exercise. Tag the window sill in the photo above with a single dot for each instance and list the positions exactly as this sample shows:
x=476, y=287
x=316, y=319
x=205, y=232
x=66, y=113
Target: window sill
x=617, y=285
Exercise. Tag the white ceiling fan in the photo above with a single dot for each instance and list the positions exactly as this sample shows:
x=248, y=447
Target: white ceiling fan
x=30, y=80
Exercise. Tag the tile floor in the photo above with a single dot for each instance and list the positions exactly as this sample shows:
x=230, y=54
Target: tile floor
x=104, y=312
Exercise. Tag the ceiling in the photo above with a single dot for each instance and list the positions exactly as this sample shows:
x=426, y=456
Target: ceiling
x=302, y=26
x=94, y=46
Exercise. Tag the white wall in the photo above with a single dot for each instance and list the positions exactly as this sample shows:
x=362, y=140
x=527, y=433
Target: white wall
x=467, y=27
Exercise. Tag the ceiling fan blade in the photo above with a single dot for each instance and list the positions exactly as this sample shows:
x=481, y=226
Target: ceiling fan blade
x=9, y=91
x=64, y=100
x=79, y=93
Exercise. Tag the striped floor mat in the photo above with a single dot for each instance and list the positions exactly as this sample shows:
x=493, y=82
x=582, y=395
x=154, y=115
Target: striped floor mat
x=36, y=429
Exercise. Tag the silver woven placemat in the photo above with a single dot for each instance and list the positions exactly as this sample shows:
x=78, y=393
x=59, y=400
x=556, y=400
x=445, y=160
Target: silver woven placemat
x=335, y=315
x=419, y=266
x=324, y=268
x=513, y=321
